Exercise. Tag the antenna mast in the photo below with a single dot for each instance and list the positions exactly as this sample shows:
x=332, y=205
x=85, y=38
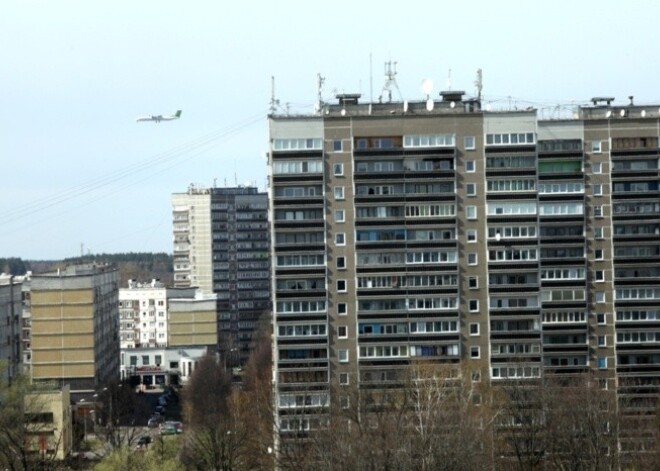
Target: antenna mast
x=274, y=103
x=479, y=83
x=319, y=91
x=390, y=82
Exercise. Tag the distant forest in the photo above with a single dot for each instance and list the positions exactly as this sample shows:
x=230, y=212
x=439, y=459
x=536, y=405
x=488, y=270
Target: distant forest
x=142, y=266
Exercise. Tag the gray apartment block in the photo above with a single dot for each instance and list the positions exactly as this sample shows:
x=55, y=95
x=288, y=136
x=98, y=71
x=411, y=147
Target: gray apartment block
x=221, y=245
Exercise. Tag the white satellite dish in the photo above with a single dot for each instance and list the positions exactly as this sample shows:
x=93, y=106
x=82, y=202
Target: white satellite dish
x=643, y=113
x=452, y=104
x=405, y=106
x=489, y=107
x=343, y=112
x=622, y=113
x=608, y=114
x=429, y=105
x=427, y=86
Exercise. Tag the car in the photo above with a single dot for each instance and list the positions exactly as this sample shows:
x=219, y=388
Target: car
x=178, y=426
x=155, y=421
x=167, y=430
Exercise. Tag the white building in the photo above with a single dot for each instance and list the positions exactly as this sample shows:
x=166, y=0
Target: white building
x=143, y=313
x=160, y=366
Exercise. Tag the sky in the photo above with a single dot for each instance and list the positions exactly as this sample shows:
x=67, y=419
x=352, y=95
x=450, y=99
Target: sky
x=79, y=175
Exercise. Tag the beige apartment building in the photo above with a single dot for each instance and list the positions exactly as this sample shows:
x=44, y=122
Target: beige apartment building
x=75, y=328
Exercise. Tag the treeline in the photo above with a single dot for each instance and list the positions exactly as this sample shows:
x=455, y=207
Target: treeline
x=132, y=265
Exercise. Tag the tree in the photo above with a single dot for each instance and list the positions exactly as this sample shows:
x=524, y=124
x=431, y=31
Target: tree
x=161, y=456
x=28, y=439
x=211, y=440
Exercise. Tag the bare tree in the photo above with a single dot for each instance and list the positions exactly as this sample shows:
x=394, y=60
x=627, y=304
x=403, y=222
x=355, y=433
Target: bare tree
x=28, y=437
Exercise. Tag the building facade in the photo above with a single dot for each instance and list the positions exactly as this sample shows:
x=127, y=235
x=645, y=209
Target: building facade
x=75, y=328
x=143, y=313
x=11, y=321
x=221, y=245
x=513, y=246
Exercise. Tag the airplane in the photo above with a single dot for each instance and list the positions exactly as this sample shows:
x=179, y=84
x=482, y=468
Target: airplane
x=157, y=118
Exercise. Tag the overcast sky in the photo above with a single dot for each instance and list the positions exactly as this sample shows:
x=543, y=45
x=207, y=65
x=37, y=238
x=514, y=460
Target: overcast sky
x=74, y=75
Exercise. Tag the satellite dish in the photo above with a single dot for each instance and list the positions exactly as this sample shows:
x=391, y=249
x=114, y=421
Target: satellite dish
x=622, y=113
x=489, y=107
x=608, y=114
x=343, y=112
x=429, y=105
x=427, y=86
x=405, y=106
x=452, y=104
x=643, y=113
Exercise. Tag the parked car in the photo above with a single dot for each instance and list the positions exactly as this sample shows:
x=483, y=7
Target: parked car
x=155, y=421
x=167, y=429
x=178, y=426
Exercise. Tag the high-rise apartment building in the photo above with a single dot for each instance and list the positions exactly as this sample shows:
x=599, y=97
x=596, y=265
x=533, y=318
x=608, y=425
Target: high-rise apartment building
x=514, y=246
x=221, y=245
x=75, y=328
x=11, y=321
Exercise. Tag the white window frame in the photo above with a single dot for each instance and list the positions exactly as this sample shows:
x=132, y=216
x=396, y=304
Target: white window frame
x=339, y=331
x=596, y=147
x=342, y=355
x=471, y=236
x=345, y=286
x=471, y=212
x=598, y=189
x=476, y=308
x=340, y=215
x=470, y=166
x=340, y=238
x=342, y=309
x=475, y=352
x=471, y=189
x=477, y=332
x=339, y=193
x=475, y=256
x=597, y=168
x=340, y=266
x=469, y=142
x=338, y=169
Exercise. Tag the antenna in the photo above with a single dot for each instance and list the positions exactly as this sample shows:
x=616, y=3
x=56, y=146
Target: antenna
x=274, y=103
x=319, y=90
x=371, y=79
x=479, y=83
x=390, y=82
x=449, y=79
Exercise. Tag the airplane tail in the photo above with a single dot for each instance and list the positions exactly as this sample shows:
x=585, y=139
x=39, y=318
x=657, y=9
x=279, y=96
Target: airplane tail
x=177, y=114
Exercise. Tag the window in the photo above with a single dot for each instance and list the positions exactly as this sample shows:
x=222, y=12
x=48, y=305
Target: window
x=145, y=360
x=341, y=286
x=600, y=318
x=600, y=275
x=470, y=166
x=343, y=379
x=342, y=332
x=336, y=146
x=471, y=212
x=473, y=282
x=340, y=215
x=340, y=238
x=341, y=263
x=472, y=258
x=598, y=254
x=474, y=328
x=473, y=305
x=339, y=192
x=598, y=211
x=471, y=235
x=343, y=356
x=471, y=189
x=598, y=189
x=598, y=233
x=602, y=341
x=596, y=168
x=600, y=296
x=602, y=363
x=469, y=143
x=596, y=147
x=474, y=352
x=341, y=309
